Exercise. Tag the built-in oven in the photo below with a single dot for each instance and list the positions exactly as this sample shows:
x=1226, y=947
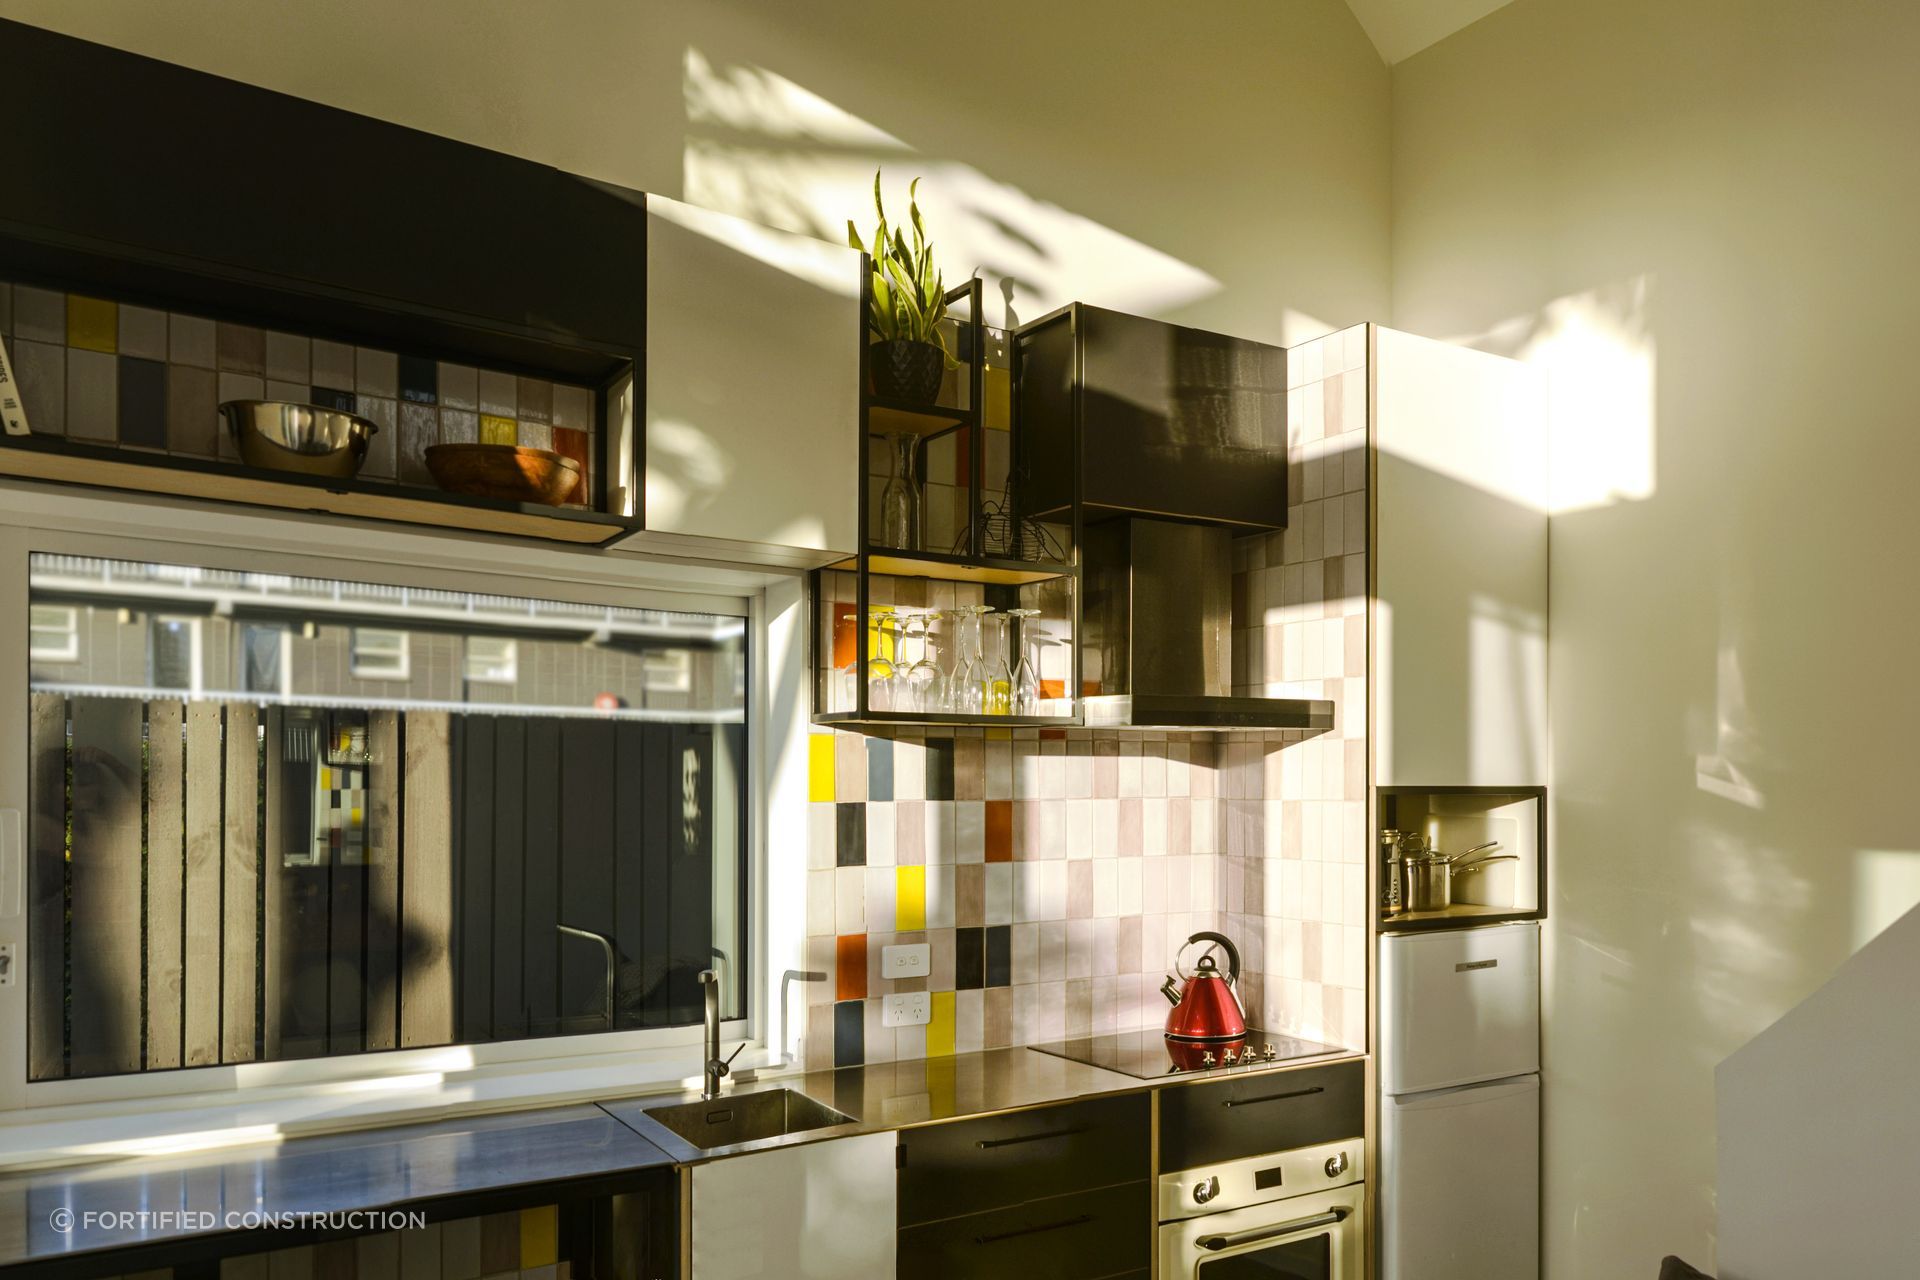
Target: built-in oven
x=1295, y=1215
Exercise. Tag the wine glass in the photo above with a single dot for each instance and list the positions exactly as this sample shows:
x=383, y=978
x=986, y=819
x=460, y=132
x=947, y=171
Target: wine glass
x=1026, y=672
x=880, y=663
x=967, y=694
x=997, y=677
x=922, y=674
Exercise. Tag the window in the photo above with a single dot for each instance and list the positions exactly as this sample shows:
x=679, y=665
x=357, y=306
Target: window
x=403, y=865
x=491, y=660
x=379, y=654
x=53, y=633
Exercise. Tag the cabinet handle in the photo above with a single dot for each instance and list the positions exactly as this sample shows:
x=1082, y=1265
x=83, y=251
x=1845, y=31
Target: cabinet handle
x=988, y=1144
x=1273, y=1097
x=1080, y=1221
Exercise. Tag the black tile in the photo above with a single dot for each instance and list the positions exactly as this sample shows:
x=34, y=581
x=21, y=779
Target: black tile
x=328, y=398
x=969, y=959
x=849, y=835
x=849, y=1033
x=939, y=768
x=143, y=402
x=419, y=380
x=1000, y=955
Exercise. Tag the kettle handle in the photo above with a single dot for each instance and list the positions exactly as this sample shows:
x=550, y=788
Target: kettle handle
x=1233, y=952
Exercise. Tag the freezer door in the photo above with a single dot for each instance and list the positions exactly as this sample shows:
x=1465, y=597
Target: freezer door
x=1459, y=1186
x=1459, y=1006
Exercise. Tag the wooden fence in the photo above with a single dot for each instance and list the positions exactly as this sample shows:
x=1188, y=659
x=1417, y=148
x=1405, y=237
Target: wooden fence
x=190, y=922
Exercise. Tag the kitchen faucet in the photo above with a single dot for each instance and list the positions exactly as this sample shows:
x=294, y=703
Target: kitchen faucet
x=714, y=1067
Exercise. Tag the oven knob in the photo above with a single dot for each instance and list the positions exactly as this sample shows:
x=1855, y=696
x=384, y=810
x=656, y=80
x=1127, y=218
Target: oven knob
x=1205, y=1191
x=1336, y=1164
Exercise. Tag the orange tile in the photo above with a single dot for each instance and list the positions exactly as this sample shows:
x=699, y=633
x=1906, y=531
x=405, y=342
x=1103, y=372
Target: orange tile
x=850, y=967
x=999, y=831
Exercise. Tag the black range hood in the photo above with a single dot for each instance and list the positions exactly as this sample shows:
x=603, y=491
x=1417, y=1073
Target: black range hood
x=1176, y=442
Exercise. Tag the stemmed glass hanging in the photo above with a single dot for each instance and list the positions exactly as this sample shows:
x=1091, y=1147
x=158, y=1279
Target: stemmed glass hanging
x=1026, y=672
x=922, y=676
x=998, y=677
x=967, y=693
x=880, y=663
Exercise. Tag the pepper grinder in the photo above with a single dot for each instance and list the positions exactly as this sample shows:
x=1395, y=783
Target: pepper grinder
x=1390, y=882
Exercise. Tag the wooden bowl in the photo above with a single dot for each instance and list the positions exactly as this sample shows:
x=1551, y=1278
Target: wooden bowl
x=504, y=471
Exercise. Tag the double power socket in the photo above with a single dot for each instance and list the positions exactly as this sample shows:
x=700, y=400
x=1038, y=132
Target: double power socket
x=911, y=1008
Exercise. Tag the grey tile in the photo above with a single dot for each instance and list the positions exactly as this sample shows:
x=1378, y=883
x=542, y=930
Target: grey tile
x=419, y=431
x=536, y=435
x=458, y=426
x=237, y=386
x=499, y=393
x=240, y=349
x=93, y=395
x=41, y=368
x=39, y=314
x=536, y=400
x=459, y=386
x=193, y=421
x=190, y=340
x=289, y=358
x=293, y=392
x=143, y=333
x=376, y=373
x=332, y=365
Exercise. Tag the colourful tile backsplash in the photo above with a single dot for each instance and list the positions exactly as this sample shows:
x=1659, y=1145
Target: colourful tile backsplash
x=107, y=372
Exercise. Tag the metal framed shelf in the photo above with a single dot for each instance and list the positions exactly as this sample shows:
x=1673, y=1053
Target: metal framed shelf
x=884, y=416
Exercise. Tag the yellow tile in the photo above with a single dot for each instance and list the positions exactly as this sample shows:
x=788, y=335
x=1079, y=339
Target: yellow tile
x=820, y=767
x=997, y=398
x=909, y=899
x=940, y=1029
x=93, y=324
x=999, y=735
x=498, y=430
x=539, y=1237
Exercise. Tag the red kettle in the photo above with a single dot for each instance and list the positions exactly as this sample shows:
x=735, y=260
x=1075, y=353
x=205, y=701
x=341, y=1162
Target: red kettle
x=1206, y=1008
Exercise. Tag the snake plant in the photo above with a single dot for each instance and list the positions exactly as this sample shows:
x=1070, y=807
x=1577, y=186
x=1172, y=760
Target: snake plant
x=909, y=300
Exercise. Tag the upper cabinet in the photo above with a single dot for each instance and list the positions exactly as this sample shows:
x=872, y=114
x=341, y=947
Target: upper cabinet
x=752, y=388
x=1460, y=566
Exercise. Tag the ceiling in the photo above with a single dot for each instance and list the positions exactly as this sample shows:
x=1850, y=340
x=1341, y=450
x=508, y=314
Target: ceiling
x=1401, y=28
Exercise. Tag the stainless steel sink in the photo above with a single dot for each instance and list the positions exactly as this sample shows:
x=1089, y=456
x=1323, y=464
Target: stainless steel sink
x=745, y=1117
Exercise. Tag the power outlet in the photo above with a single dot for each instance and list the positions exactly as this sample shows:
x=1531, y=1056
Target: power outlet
x=6, y=964
x=907, y=960
x=913, y=1009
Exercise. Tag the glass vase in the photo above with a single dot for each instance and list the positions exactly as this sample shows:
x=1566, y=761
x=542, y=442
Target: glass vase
x=900, y=500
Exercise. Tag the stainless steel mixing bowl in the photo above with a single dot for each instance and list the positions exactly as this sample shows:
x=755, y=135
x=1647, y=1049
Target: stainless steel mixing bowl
x=283, y=436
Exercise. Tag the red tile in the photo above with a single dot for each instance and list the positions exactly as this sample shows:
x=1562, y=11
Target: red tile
x=999, y=831
x=850, y=967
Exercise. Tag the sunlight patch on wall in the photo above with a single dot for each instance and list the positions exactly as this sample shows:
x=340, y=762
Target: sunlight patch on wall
x=1886, y=885
x=1720, y=772
x=764, y=148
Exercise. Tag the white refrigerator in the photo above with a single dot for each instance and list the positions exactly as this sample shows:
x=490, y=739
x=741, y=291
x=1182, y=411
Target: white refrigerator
x=1459, y=1181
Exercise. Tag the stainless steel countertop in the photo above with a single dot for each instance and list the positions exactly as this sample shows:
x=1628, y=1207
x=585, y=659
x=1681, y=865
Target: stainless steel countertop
x=444, y=1160
x=370, y=1169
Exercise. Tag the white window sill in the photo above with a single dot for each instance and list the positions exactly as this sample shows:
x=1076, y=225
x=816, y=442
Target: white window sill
x=101, y=1131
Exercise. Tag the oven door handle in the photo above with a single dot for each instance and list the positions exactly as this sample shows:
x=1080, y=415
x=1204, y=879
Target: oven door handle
x=1213, y=1244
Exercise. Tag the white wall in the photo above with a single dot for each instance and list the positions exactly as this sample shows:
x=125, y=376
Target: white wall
x=1227, y=166
x=1698, y=218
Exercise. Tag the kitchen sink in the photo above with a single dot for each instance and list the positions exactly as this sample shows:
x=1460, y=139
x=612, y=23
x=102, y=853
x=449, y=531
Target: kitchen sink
x=745, y=1117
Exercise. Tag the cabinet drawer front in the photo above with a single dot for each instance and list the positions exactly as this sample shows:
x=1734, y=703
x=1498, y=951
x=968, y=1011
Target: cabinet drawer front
x=1252, y=1115
x=953, y=1169
x=1085, y=1236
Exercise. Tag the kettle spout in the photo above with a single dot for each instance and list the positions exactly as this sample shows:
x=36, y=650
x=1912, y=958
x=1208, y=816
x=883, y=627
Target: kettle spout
x=1168, y=990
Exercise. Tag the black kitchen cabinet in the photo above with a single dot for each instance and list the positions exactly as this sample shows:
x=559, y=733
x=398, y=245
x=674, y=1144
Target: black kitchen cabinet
x=1256, y=1114
x=1087, y=1235
x=950, y=1170
x=1151, y=418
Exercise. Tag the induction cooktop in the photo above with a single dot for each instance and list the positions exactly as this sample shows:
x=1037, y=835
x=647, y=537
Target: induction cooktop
x=1148, y=1055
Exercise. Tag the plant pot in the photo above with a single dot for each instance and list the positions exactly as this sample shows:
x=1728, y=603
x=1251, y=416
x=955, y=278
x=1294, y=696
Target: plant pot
x=906, y=370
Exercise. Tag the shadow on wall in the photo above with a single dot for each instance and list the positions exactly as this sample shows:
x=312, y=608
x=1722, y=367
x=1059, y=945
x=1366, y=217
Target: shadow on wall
x=765, y=148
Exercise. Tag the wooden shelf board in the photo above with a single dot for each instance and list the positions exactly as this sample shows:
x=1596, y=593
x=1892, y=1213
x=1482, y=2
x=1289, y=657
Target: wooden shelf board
x=254, y=489
x=931, y=564
x=1459, y=911
x=953, y=720
x=933, y=420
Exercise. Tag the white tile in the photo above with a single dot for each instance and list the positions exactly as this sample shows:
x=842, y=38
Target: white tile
x=93, y=395
x=879, y=906
x=572, y=407
x=940, y=897
x=537, y=435
x=297, y=392
x=143, y=333
x=880, y=834
x=1000, y=892
x=376, y=373
x=190, y=340
x=41, y=370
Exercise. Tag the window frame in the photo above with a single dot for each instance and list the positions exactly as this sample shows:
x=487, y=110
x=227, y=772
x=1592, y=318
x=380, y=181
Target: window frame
x=460, y=1076
x=70, y=652
x=509, y=664
x=357, y=654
